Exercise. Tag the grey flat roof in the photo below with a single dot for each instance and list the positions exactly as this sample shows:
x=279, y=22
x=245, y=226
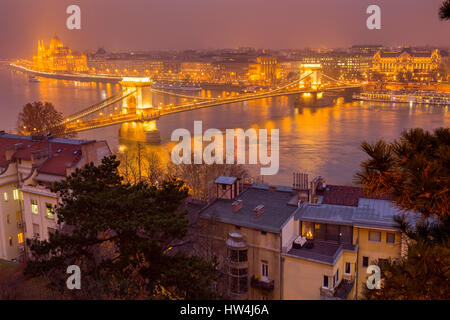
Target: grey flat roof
x=370, y=213
x=225, y=180
x=325, y=213
x=276, y=213
x=51, y=139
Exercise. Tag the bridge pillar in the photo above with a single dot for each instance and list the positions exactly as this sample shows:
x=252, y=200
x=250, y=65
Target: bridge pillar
x=143, y=131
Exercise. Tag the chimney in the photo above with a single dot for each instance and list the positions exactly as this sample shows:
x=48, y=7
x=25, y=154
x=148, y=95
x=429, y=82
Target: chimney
x=236, y=205
x=259, y=210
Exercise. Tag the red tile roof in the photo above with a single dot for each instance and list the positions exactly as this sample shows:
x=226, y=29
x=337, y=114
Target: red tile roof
x=65, y=153
x=342, y=195
x=346, y=195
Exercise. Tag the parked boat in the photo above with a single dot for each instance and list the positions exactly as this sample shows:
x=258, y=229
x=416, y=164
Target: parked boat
x=419, y=97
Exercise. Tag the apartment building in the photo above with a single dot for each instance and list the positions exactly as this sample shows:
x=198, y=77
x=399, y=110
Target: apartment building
x=28, y=167
x=278, y=242
x=245, y=230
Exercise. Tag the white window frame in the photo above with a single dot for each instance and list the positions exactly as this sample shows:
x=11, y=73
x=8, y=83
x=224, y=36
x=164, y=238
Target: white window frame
x=345, y=268
x=264, y=270
x=323, y=280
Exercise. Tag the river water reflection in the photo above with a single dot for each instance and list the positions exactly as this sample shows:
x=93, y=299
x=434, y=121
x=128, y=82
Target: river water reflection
x=319, y=141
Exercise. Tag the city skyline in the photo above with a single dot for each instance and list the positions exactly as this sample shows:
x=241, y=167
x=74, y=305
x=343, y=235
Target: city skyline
x=199, y=24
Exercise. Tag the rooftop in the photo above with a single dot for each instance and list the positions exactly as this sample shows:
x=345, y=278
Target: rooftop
x=370, y=213
x=276, y=209
x=65, y=153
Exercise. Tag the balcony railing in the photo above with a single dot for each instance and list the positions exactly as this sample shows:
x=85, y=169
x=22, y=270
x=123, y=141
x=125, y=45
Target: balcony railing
x=262, y=284
x=341, y=292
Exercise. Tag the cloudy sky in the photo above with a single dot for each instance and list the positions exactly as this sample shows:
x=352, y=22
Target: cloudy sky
x=191, y=24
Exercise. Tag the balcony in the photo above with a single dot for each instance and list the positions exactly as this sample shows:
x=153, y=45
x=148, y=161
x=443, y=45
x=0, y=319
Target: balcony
x=341, y=292
x=322, y=251
x=258, y=283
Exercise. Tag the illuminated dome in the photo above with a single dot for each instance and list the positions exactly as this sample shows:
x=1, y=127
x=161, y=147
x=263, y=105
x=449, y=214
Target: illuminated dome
x=55, y=43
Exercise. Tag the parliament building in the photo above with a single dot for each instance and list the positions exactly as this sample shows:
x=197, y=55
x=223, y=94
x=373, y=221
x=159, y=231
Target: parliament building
x=58, y=58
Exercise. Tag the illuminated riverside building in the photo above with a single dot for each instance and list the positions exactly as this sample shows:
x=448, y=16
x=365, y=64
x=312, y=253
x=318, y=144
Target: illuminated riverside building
x=28, y=167
x=265, y=69
x=299, y=243
x=408, y=64
x=58, y=58
x=341, y=64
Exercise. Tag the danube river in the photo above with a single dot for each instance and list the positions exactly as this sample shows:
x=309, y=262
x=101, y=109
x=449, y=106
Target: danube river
x=318, y=141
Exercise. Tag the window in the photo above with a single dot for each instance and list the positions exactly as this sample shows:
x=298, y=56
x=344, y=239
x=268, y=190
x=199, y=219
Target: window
x=365, y=262
x=49, y=210
x=375, y=236
x=18, y=216
x=242, y=255
x=8, y=219
x=238, y=255
x=16, y=194
x=325, y=282
x=348, y=268
x=36, y=230
x=20, y=238
x=10, y=241
x=390, y=237
x=263, y=233
x=5, y=196
x=34, y=207
x=264, y=269
x=336, y=278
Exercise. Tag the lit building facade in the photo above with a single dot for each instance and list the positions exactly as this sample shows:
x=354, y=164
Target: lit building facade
x=408, y=64
x=58, y=58
x=28, y=167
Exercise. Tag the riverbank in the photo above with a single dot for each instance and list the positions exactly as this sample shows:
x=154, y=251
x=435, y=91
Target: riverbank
x=67, y=76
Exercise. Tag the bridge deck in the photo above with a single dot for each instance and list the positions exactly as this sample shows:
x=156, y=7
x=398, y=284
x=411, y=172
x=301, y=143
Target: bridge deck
x=79, y=125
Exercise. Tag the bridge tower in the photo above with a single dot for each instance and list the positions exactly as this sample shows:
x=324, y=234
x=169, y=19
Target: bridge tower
x=310, y=76
x=141, y=130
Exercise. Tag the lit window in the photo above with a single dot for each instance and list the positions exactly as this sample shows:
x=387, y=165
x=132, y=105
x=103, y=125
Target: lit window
x=34, y=207
x=16, y=194
x=20, y=238
x=10, y=241
x=375, y=236
x=49, y=210
x=5, y=195
x=390, y=237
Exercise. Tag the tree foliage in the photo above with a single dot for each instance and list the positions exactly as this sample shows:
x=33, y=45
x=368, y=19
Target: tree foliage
x=415, y=170
x=425, y=271
x=444, y=11
x=41, y=118
x=123, y=237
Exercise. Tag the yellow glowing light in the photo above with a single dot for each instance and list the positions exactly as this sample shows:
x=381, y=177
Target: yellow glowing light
x=136, y=79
